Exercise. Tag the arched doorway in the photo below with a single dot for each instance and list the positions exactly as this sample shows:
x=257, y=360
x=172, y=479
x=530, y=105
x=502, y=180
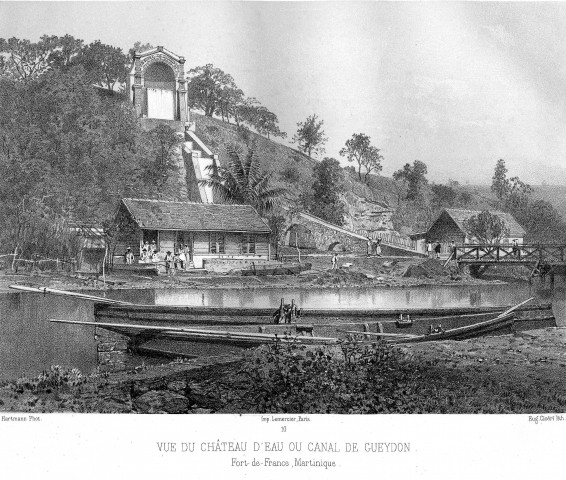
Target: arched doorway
x=159, y=83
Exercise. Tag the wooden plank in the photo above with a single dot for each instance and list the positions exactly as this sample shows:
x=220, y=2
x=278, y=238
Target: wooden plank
x=378, y=334
x=158, y=329
x=65, y=293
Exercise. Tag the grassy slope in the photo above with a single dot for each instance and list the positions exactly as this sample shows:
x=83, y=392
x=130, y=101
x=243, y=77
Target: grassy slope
x=293, y=169
x=290, y=168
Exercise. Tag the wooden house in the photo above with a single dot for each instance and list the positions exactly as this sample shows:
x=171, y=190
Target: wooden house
x=211, y=231
x=450, y=225
x=92, y=246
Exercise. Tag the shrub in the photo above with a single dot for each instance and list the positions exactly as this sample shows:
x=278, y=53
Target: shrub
x=56, y=379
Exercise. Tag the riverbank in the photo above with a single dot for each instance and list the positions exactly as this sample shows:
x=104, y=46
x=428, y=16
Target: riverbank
x=515, y=373
x=353, y=272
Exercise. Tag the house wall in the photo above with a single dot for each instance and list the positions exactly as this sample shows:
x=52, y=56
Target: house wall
x=167, y=241
x=232, y=248
x=445, y=230
x=128, y=236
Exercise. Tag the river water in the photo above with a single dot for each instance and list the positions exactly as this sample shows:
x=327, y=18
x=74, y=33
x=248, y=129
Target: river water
x=29, y=343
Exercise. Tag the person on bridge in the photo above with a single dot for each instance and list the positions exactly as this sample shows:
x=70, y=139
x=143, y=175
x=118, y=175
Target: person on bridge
x=378, y=248
x=516, y=249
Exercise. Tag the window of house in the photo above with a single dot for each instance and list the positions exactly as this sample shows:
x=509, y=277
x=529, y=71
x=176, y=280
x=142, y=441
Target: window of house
x=216, y=243
x=248, y=243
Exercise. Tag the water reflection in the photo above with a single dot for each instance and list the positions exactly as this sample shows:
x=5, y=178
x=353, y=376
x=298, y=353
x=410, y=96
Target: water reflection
x=357, y=297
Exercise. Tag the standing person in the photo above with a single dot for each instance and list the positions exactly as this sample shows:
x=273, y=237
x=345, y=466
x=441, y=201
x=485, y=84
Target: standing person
x=129, y=256
x=453, y=249
x=168, y=262
x=437, y=249
x=369, y=243
x=334, y=261
x=516, y=251
x=429, y=249
x=187, y=256
x=378, y=248
x=182, y=256
x=144, y=256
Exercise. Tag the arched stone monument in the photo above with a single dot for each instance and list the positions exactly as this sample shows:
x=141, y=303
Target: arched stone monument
x=157, y=85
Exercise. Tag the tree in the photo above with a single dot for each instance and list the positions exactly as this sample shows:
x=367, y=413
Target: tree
x=518, y=195
x=310, y=136
x=265, y=122
x=499, y=183
x=359, y=149
x=414, y=177
x=486, y=227
x=242, y=181
x=327, y=188
x=69, y=48
x=140, y=48
x=205, y=87
x=542, y=222
x=159, y=163
x=105, y=65
x=228, y=102
x=66, y=154
x=27, y=60
x=465, y=199
x=443, y=196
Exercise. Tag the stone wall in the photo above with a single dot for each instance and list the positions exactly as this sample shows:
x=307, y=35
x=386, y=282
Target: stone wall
x=112, y=350
x=221, y=265
x=324, y=237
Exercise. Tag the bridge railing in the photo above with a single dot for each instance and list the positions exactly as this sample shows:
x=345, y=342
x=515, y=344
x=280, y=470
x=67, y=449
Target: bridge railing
x=527, y=253
x=390, y=238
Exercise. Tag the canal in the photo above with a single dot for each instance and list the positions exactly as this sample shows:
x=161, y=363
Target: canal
x=29, y=343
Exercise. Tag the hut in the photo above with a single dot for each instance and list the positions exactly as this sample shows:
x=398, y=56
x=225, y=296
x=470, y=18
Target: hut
x=450, y=226
x=207, y=231
x=92, y=246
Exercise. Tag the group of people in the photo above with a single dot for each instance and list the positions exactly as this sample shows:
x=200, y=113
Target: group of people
x=150, y=254
x=373, y=247
x=433, y=251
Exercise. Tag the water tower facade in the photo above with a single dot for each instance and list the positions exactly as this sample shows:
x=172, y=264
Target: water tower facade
x=157, y=85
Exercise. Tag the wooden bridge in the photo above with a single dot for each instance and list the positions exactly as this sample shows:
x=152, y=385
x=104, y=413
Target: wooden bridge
x=539, y=257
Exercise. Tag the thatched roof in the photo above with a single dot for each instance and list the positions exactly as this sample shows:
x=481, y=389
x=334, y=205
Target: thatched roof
x=189, y=216
x=460, y=216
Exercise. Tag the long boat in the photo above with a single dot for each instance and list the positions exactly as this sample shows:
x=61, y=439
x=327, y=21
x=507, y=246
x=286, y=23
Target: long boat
x=139, y=334
x=324, y=321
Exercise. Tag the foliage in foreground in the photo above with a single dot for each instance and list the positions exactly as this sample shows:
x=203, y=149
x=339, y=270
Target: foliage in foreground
x=375, y=378
x=55, y=379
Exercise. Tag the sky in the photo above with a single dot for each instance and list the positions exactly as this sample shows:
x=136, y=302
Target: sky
x=455, y=85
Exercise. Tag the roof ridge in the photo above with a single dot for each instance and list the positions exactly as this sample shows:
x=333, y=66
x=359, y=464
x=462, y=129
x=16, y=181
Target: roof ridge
x=187, y=202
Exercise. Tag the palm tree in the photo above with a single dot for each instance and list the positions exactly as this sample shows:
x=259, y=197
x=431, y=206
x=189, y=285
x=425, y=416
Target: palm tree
x=241, y=181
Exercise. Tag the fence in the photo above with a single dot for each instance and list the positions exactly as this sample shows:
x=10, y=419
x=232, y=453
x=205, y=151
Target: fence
x=7, y=261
